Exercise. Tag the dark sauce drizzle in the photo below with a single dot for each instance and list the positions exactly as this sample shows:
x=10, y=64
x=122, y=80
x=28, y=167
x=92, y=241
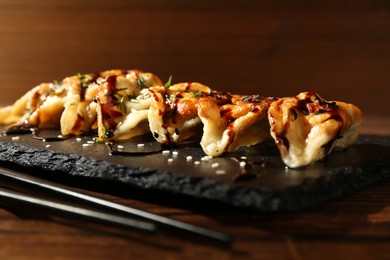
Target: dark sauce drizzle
x=312, y=104
x=250, y=170
x=19, y=130
x=86, y=80
x=34, y=131
x=47, y=138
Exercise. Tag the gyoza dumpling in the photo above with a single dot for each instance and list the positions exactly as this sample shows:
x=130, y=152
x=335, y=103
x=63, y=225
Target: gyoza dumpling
x=80, y=111
x=232, y=121
x=62, y=104
x=41, y=106
x=12, y=114
x=122, y=105
x=115, y=101
x=307, y=128
x=173, y=114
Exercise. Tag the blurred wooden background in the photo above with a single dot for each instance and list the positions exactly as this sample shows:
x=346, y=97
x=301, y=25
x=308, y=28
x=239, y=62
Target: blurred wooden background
x=340, y=49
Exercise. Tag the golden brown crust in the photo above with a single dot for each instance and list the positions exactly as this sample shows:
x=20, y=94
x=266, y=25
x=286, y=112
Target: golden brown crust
x=82, y=102
x=116, y=98
x=43, y=105
x=232, y=121
x=173, y=113
x=79, y=110
x=307, y=128
x=122, y=104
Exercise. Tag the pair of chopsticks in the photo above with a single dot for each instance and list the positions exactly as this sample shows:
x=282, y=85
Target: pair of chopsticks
x=119, y=215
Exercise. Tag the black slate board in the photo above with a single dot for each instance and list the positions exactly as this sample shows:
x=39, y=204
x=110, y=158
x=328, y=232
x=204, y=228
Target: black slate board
x=264, y=184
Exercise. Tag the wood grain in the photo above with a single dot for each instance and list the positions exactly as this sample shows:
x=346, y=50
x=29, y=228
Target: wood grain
x=354, y=226
x=339, y=49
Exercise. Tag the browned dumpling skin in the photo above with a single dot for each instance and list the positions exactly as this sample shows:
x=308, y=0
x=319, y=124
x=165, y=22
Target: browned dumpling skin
x=13, y=113
x=114, y=101
x=306, y=128
x=59, y=104
x=79, y=109
x=232, y=121
x=173, y=112
x=122, y=104
x=41, y=106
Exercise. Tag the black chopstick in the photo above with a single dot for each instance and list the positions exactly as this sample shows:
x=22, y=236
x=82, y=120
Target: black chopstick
x=43, y=184
x=16, y=199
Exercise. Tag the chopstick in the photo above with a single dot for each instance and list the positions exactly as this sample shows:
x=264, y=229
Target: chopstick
x=45, y=185
x=17, y=199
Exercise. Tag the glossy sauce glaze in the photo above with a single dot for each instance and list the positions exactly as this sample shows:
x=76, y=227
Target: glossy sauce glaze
x=84, y=80
x=43, y=93
x=233, y=107
x=176, y=105
x=77, y=102
x=45, y=135
x=109, y=108
x=310, y=105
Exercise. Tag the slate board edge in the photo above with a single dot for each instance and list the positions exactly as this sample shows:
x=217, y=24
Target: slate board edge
x=293, y=199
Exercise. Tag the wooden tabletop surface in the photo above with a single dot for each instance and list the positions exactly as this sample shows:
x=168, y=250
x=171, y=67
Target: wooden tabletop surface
x=353, y=226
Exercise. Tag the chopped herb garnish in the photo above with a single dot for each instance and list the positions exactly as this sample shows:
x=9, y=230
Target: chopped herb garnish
x=57, y=91
x=198, y=94
x=97, y=140
x=72, y=104
x=121, y=103
x=132, y=96
x=107, y=133
x=57, y=88
x=141, y=81
x=169, y=82
x=85, y=79
x=57, y=83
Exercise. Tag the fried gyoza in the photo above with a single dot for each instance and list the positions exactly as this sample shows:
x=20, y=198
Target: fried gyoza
x=232, y=121
x=173, y=113
x=42, y=105
x=306, y=128
x=114, y=101
x=122, y=105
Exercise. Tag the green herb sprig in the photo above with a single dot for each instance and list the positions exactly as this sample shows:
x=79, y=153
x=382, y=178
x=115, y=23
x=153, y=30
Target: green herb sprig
x=122, y=104
x=169, y=82
x=141, y=82
x=198, y=94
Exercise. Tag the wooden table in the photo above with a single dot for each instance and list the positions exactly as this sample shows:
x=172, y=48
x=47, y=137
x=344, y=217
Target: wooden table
x=355, y=226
